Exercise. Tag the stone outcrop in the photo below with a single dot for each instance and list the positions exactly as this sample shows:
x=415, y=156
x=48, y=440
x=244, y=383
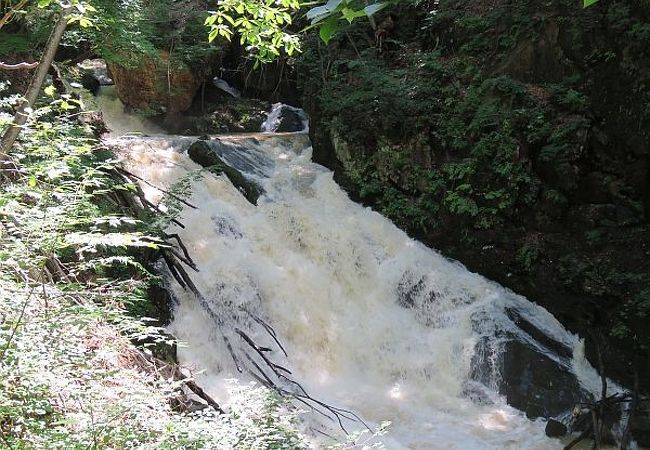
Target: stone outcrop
x=202, y=153
x=285, y=119
x=157, y=84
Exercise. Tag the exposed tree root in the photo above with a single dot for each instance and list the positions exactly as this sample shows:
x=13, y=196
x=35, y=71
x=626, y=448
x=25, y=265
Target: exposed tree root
x=152, y=364
x=597, y=418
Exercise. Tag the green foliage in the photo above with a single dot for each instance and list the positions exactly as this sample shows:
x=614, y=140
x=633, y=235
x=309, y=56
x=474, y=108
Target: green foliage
x=527, y=257
x=125, y=33
x=18, y=43
x=632, y=317
x=328, y=17
x=483, y=182
x=261, y=26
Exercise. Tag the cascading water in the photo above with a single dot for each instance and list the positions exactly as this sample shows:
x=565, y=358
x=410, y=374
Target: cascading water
x=117, y=120
x=370, y=319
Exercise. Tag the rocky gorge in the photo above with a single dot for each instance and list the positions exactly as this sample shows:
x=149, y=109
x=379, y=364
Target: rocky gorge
x=513, y=137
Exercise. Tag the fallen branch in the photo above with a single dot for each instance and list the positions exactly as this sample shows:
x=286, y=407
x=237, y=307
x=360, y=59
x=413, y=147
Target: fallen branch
x=18, y=66
x=247, y=355
x=174, y=196
x=599, y=417
x=154, y=364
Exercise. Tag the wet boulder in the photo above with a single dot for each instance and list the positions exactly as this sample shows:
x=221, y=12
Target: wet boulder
x=537, y=384
x=202, y=153
x=555, y=428
x=532, y=370
x=285, y=118
x=530, y=380
x=95, y=69
x=227, y=114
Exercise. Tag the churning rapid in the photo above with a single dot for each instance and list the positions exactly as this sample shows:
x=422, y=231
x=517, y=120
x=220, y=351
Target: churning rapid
x=371, y=320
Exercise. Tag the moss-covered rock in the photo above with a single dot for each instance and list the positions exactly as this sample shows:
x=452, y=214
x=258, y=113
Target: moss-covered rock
x=226, y=114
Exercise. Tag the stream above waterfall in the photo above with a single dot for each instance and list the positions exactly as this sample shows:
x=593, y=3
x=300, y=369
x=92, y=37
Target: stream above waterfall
x=370, y=319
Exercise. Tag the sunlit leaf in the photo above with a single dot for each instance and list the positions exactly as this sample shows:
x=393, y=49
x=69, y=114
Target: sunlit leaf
x=328, y=29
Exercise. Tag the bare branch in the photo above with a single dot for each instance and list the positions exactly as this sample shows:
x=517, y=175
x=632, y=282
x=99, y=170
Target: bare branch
x=9, y=15
x=18, y=66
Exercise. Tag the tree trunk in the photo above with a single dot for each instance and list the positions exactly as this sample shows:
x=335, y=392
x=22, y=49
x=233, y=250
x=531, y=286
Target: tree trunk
x=32, y=92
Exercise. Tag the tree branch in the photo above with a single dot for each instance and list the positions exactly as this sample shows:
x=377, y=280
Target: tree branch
x=34, y=88
x=18, y=66
x=7, y=17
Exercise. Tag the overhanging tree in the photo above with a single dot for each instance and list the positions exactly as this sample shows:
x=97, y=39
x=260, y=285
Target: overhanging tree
x=68, y=13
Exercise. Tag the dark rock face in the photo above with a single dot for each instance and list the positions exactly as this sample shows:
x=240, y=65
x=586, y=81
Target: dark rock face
x=529, y=379
x=555, y=428
x=162, y=304
x=88, y=81
x=163, y=346
x=535, y=384
x=95, y=69
x=511, y=151
x=202, y=153
x=285, y=118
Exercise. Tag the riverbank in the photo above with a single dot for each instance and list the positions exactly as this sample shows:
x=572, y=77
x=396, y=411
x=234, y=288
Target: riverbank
x=84, y=362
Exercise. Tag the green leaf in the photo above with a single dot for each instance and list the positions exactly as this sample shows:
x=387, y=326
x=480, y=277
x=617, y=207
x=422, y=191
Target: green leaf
x=587, y=3
x=328, y=29
x=350, y=14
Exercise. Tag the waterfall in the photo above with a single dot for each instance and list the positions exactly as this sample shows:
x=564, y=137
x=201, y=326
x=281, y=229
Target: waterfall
x=370, y=319
x=284, y=117
x=116, y=118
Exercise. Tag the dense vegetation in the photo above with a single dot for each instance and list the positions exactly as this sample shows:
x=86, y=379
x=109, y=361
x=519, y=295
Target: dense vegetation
x=513, y=136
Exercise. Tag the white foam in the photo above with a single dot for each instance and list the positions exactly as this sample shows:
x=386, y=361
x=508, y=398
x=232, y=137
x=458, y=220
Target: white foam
x=325, y=272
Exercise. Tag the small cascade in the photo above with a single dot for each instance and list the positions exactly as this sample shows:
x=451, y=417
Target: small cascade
x=227, y=88
x=285, y=118
x=118, y=121
x=332, y=304
x=364, y=317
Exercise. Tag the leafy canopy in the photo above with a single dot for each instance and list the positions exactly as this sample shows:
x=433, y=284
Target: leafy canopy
x=261, y=26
